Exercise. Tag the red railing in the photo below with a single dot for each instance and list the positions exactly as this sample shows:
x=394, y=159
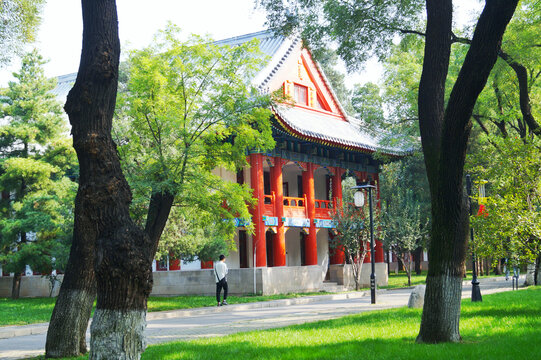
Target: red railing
x=268, y=204
x=323, y=208
x=295, y=206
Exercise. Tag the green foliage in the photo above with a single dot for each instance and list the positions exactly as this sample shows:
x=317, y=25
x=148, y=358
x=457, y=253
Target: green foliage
x=20, y=20
x=35, y=157
x=511, y=225
x=405, y=207
x=360, y=29
x=498, y=108
x=186, y=110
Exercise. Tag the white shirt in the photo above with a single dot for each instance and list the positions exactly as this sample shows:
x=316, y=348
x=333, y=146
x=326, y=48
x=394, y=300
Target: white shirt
x=220, y=270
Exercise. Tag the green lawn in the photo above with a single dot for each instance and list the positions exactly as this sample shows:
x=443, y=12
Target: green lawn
x=504, y=326
x=35, y=310
x=401, y=280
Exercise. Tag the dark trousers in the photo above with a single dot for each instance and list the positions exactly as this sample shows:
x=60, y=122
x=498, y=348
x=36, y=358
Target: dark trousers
x=222, y=284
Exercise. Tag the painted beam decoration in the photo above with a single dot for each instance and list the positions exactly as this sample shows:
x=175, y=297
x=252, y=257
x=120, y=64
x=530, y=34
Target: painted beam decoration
x=270, y=220
x=296, y=222
x=241, y=222
x=324, y=223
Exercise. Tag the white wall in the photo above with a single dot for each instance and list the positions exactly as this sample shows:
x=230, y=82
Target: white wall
x=320, y=184
x=293, y=247
x=289, y=175
x=322, y=247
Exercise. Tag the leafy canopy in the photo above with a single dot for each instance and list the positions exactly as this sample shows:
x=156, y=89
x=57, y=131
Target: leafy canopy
x=18, y=25
x=186, y=112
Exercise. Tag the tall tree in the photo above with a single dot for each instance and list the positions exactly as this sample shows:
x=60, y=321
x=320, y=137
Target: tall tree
x=445, y=128
x=110, y=252
x=19, y=21
x=34, y=161
x=104, y=237
x=188, y=108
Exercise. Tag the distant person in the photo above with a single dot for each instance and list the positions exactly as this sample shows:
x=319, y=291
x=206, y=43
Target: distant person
x=220, y=271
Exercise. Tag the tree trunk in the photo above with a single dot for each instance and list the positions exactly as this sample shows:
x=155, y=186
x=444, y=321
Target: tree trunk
x=524, y=93
x=66, y=335
x=480, y=268
x=16, y=285
x=123, y=253
x=536, y=272
x=444, y=137
x=418, y=261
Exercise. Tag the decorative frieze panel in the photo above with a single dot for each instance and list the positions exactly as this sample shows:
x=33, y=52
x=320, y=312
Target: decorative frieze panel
x=296, y=222
x=270, y=220
x=324, y=223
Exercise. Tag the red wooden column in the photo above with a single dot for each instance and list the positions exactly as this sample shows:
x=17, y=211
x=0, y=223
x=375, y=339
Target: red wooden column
x=309, y=191
x=279, y=247
x=338, y=255
x=256, y=182
x=379, y=246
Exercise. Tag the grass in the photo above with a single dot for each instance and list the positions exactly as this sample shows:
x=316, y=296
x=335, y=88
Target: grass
x=504, y=326
x=37, y=310
x=400, y=280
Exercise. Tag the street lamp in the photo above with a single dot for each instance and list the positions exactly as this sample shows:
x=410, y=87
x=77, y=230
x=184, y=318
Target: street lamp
x=475, y=290
x=359, y=202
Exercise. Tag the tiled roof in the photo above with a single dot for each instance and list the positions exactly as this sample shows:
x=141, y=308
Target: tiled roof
x=63, y=86
x=268, y=42
x=311, y=125
x=328, y=129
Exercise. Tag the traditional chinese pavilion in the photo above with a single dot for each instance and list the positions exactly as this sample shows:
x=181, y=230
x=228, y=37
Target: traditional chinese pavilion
x=299, y=181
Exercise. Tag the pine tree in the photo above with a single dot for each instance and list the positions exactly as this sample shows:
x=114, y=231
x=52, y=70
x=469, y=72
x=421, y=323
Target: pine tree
x=35, y=157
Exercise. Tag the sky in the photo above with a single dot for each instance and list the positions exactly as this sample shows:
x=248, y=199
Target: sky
x=60, y=34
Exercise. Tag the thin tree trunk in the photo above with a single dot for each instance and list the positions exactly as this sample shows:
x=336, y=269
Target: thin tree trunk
x=418, y=260
x=524, y=94
x=444, y=137
x=536, y=272
x=16, y=285
x=480, y=268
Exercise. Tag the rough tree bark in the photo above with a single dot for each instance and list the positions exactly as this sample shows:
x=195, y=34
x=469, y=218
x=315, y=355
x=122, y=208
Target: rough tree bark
x=121, y=252
x=66, y=335
x=105, y=238
x=444, y=135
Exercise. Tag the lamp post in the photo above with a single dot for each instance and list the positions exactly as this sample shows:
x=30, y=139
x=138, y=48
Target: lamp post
x=359, y=202
x=475, y=290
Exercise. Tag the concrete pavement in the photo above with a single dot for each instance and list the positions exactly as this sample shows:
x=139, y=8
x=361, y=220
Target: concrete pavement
x=24, y=341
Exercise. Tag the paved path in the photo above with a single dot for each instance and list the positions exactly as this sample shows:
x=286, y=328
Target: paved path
x=192, y=324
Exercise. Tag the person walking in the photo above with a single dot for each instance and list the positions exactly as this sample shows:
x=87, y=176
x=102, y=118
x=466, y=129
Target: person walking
x=220, y=271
